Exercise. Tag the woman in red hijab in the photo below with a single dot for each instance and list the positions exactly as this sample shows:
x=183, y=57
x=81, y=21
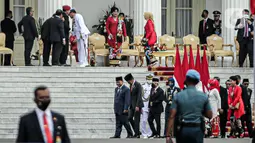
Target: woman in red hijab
x=215, y=101
x=236, y=108
x=150, y=37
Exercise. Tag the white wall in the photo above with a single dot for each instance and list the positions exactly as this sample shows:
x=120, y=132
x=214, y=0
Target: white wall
x=212, y=5
x=92, y=10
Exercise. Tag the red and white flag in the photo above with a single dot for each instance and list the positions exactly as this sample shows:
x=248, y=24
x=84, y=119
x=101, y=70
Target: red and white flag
x=185, y=62
x=205, y=71
x=178, y=75
x=191, y=58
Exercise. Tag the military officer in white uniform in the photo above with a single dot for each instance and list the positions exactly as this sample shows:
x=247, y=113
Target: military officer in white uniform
x=82, y=34
x=146, y=131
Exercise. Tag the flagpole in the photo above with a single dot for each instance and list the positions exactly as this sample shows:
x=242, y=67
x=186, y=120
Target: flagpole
x=253, y=62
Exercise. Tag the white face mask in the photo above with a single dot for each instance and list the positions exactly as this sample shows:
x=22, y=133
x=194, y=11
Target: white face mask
x=246, y=16
x=149, y=81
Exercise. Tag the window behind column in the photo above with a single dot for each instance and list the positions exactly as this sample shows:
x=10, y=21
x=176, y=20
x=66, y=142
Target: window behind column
x=164, y=17
x=18, y=10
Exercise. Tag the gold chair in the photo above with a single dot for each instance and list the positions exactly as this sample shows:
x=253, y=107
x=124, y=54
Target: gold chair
x=70, y=52
x=216, y=43
x=192, y=40
x=97, y=44
x=129, y=52
x=3, y=50
x=138, y=46
x=168, y=43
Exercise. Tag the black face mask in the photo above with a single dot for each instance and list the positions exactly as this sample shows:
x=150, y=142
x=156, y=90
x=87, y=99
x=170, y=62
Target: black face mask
x=43, y=105
x=153, y=86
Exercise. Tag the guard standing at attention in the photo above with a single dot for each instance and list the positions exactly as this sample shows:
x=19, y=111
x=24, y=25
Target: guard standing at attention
x=190, y=106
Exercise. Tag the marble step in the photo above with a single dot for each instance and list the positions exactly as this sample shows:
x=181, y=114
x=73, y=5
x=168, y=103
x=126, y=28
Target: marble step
x=58, y=95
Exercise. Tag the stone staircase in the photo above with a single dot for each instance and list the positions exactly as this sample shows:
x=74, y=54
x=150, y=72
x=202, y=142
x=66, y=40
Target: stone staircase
x=83, y=95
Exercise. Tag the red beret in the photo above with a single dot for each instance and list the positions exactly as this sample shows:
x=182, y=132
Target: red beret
x=66, y=8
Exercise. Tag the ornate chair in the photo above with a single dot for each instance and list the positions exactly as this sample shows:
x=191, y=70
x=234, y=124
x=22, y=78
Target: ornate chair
x=216, y=43
x=167, y=42
x=97, y=44
x=237, y=52
x=3, y=50
x=129, y=52
x=138, y=45
x=70, y=53
x=192, y=40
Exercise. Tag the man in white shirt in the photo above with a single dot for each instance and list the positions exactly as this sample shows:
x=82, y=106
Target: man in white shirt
x=42, y=124
x=82, y=34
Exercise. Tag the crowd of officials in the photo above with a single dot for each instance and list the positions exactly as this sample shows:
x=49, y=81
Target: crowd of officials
x=207, y=113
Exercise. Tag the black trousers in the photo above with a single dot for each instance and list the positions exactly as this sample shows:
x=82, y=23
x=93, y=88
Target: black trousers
x=134, y=119
x=157, y=118
x=246, y=47
x=7, y=60
x=223, y=123
x=64, y=53
x=56, y=51
x=46, y=51
x=167, y=114
x=28, y=48
x=120, y=121
x=248, y=119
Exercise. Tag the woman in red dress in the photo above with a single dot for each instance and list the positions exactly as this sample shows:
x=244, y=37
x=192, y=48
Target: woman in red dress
x=236, y=108
x=150, y=37
x=116, y=32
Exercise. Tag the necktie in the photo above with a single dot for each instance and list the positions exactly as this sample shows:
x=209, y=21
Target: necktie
x=47, y=129
x=204, y=28
x=246, y=30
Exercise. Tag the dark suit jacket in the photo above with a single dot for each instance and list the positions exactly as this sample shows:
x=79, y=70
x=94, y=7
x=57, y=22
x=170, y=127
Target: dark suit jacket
x=57, y=32
x=8, y=27
x=30, y=130
x=240, y=33
x=121, y=100
x=45, y=31
x=209, y=29
x=156, y=99
x=66, y=25
x=136, y=96
x=30, y=31
x=224, y=98
x=245, y=98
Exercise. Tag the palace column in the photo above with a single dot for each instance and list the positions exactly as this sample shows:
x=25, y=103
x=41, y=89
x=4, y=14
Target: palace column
x=231, y=11
x=141, y=6
x=46, y=8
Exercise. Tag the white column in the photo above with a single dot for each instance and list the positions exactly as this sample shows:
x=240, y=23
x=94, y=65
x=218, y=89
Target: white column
x=141, y=6
x=231, y=11
x=46, y=8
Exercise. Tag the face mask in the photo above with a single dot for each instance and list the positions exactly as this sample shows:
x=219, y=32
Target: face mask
x=246, y=16
x=43, y=105
x=153, y=86
x=149, y=81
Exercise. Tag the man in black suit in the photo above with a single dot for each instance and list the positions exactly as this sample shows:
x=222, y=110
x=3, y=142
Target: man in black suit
x=224, y=107
x=248, y=114
x=8, y=27
x=57, y=36
x=155, y=107
x=42, y=124
x=244, y=38
x=45, y=35
x=29, y=33
x=206, y=28
x=136, y=104
x=121, y=105
x=247, y=107
x=64, y=53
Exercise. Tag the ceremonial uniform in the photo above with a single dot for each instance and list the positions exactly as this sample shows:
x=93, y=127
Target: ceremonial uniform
x=146, y=132
x=171, y=91
x=82, y=34
x=217, y=23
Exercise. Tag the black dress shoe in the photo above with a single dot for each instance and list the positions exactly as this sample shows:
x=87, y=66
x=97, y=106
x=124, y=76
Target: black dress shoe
x=46, y=65
x=29, y=65
x=129, y=136
x=114, y=137
x=152, y=136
